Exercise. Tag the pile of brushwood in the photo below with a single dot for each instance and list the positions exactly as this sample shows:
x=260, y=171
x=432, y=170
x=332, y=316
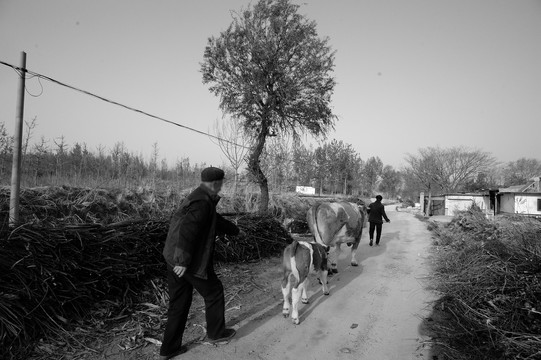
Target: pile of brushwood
x=61, y=261
x=489, y=275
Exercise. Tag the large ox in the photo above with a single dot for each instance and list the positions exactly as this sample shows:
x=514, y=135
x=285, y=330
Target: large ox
x=336, y=223
x=301, y=258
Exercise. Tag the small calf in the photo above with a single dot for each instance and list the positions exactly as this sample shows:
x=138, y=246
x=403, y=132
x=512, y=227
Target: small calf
x=301, y=258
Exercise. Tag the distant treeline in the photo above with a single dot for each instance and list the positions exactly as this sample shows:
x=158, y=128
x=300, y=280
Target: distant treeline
x=333, y=167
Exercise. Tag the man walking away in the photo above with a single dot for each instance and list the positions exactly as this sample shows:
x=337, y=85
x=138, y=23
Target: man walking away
x=376, y=211
x=188, y=251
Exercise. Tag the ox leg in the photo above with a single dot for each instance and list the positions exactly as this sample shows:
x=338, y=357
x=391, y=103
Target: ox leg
x=354, y=254
x=324, y=287
x=286, y=287
x=295, y=297
x=354, y=250
x=304, y=296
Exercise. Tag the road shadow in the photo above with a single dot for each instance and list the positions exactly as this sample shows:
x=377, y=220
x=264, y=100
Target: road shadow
x=336, y=282
x=273, y=308
x=347, y=273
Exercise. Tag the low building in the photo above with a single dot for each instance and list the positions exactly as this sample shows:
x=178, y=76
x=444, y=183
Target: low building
x=450, y=204
x=521, y=199
x=305, y=190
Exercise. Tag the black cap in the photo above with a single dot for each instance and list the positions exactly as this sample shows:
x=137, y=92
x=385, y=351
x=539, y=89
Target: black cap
x=212, y=174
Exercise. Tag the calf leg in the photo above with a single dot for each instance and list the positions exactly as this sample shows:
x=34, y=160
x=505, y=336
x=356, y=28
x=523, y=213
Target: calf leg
x=334, y=254
x=295, y=297
x=286, y=286
x=304, y=297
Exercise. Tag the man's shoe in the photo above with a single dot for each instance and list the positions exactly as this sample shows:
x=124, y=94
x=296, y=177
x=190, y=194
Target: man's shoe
x=182, y=350
x=226, y=336
x=370, y=243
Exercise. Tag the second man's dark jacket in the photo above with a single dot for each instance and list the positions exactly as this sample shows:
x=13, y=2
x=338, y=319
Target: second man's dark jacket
x=192, y=233
x=376, y=211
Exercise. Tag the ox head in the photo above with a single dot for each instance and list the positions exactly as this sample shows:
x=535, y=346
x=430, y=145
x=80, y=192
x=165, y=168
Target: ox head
x=361, y=205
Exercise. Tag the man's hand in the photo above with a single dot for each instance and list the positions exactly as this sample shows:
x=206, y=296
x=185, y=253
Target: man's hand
x=179, y=270
x=388, y=221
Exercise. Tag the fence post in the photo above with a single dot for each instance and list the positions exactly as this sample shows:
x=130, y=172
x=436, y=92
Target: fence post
x=17, y=148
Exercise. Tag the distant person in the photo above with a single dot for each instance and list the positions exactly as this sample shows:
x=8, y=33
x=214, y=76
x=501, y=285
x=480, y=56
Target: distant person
x=188, y=251
x=376, y=211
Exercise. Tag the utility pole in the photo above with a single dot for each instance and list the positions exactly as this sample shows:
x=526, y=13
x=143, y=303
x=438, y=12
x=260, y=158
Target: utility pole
x=17, y=148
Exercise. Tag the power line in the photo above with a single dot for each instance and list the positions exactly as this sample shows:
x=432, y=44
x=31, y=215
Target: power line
x=34, y=74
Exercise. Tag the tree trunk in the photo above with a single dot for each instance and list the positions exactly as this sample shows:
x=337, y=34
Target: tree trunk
x=429, y=206
x=255, y=168
x=236, y=182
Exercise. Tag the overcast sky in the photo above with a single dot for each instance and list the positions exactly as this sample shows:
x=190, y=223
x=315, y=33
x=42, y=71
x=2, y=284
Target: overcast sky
x=409, y=74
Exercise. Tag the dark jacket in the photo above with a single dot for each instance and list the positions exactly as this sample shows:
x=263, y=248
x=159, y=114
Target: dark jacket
x=192, y=233
x=376, y=211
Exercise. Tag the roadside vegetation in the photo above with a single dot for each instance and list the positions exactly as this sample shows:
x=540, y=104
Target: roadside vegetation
x=84, y=259
x=488, y=276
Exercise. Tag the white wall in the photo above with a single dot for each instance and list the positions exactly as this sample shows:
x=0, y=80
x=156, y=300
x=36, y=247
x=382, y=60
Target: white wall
x=526, y=204
x=308, y=190
x=454, y=203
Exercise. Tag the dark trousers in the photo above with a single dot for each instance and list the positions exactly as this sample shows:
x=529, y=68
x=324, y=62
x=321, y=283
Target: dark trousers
x=180, y=300
x=377, y=227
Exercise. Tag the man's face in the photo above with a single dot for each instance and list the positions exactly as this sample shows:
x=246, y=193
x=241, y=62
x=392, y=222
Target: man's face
x=217, y=184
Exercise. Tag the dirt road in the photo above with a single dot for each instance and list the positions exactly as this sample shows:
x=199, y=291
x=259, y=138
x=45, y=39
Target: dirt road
x=373, y=312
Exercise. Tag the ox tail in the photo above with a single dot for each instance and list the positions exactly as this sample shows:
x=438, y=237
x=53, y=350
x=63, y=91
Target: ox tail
x=294, y=270
x=312, y=219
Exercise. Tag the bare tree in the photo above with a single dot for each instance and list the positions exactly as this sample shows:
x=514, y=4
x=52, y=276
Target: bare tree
x=40, y=152
x=60, y=156
x=28, y=135
x=100, y=159
x=372, y=174
x=116, y=156
x=447, y=170
x=391, y=181
x=6, y=149
x=154, y=163
x=520, y=171
x=234, y=144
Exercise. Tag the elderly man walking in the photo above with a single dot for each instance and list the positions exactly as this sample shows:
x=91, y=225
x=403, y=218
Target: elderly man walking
x=376, y=211
x=188, y=251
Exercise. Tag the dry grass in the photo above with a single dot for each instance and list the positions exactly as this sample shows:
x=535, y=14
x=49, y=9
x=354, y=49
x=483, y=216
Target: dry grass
x=489, y=275
x=83, y=255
